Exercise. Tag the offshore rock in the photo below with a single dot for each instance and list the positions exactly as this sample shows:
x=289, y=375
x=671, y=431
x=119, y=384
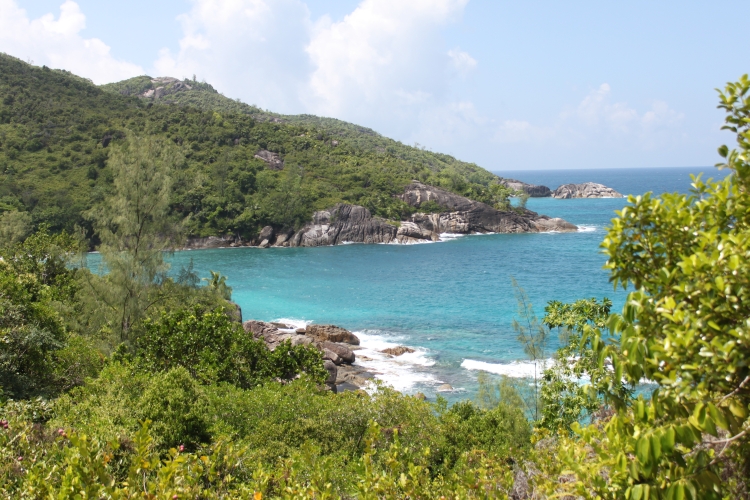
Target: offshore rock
x=397, y=351
x=532, y=190
x=585, y=190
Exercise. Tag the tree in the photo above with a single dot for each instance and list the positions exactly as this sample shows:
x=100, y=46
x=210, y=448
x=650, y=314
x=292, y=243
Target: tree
x=34, y=281
x=685, y=328
x=533, y=335
x=135, y=230
x=564, y=398
x=15, y=226
x=218, y=283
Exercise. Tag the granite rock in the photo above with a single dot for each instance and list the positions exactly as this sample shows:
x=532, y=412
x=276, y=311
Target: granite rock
x=585, y=190
x=397, y=351
x=331, y=333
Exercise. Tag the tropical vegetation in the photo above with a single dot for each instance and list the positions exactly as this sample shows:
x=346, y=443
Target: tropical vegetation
x=129, y=381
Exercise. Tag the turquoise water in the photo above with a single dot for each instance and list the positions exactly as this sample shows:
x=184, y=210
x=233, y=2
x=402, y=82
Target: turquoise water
x=453, y=301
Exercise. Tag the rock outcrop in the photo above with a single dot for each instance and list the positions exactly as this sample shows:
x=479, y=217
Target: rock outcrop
x=211, y=242
x=334, y=342
x=468, y=216
x=532, y=190
x=343, y=223
x=273, y=160
x=585, y=190
x=346, y=223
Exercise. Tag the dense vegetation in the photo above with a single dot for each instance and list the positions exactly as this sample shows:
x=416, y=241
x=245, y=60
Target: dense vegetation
x=130, y=383
x=57, y=131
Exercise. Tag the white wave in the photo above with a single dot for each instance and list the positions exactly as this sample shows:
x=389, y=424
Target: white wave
x=450, y=236
x=585, y=228
x=402, y=372
x=514, y=369
x=293, y=323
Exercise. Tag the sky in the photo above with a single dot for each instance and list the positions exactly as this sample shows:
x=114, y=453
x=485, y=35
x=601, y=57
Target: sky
x=505, y=84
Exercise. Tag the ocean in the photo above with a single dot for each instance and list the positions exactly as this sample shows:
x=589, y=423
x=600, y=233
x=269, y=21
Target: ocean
x=452, y=301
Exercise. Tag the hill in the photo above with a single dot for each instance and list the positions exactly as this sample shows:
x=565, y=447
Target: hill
x=243, y=169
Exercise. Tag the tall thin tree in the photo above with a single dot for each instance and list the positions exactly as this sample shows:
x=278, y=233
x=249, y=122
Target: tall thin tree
x=135, y=229
x=532, y=334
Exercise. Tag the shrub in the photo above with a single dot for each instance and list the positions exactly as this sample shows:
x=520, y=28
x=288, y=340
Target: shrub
x=178, y=408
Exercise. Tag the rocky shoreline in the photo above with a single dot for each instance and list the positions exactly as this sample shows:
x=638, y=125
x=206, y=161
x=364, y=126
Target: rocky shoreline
x=346, y=223
x=338, y=346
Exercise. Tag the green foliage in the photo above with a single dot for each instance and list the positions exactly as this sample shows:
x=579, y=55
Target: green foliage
x=179, y=409
x=213, y=348
x=57, y=132
x=497, y=424
x=218, y=283
x=685, y=328
x=15, y=226
x=34, y=286
x=565, y=397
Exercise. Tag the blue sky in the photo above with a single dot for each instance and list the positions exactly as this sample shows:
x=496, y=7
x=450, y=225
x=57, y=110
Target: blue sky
x=508, y=85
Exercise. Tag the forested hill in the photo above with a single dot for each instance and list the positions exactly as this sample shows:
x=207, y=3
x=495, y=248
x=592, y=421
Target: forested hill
x=242, y=168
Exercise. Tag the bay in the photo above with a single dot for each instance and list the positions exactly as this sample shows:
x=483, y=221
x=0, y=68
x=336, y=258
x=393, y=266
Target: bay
x=452, y=301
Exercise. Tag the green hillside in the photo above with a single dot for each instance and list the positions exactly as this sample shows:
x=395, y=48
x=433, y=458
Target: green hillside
x=56, y=131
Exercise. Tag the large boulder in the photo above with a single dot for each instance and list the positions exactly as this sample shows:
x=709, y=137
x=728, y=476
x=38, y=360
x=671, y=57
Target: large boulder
x=260, y=329
x=343, y=223
x=236, y=313
x=331, y=333
x=342, y=351
x=398, y=350
x=585, y=190
x=273, y=160
x=328, y=354
x=265, y=236
x=330, y=367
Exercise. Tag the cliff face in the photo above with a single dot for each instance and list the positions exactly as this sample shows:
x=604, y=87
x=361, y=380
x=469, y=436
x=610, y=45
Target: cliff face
x=343, y=223
x=354, y=224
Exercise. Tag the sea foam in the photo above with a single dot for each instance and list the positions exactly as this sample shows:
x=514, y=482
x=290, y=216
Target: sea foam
x=404, y=373
x=515, y=369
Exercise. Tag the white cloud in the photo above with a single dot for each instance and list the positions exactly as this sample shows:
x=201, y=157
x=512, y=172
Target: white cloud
x=597, y=118
x=252, y=49
x=461, y=61
x=443, y=125
x=512, y=131
x=57, y=43
x=385, y=60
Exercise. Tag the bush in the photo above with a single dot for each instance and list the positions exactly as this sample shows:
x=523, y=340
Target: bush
x=500, y=431
x=177, y=407
x=213, y=348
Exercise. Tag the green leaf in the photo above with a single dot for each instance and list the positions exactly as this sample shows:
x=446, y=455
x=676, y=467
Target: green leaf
x=643, y=449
